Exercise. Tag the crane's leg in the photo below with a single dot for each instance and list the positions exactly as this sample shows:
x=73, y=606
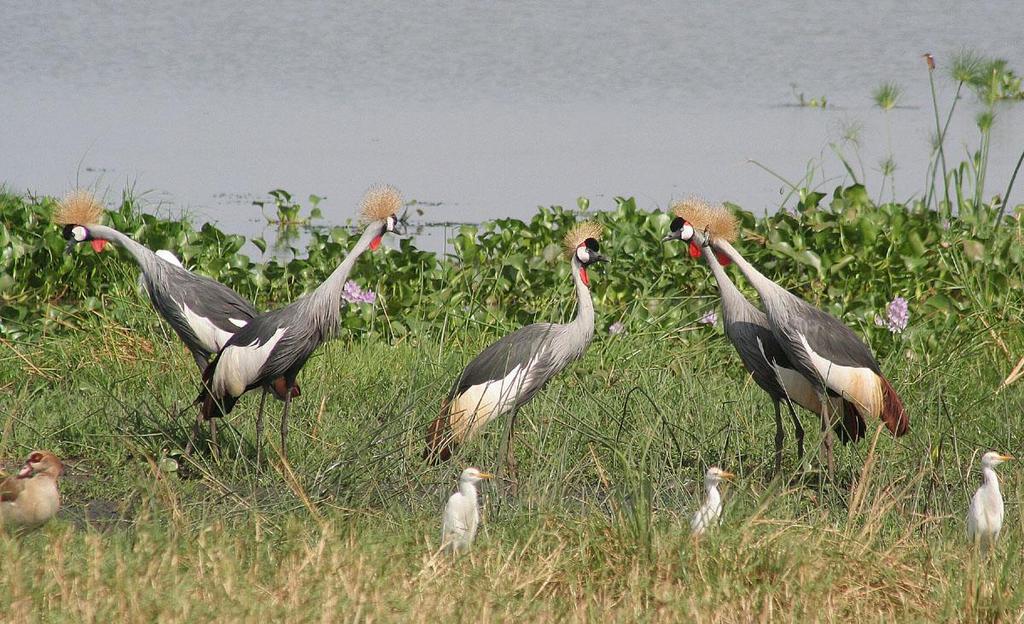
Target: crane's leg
x=799, y=431
x=826, y=436
x=284, y=422
x=780, y=436
x=201, y=361
x=213, y=433
x=193, y=440
x=259, y=427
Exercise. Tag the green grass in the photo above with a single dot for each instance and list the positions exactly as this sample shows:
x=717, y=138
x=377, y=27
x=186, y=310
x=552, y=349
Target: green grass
x=598, y=531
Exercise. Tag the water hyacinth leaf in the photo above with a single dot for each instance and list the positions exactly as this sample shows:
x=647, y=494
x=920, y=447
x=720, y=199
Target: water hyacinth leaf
x=840, y=264
x=810, y=258
x=917, y=244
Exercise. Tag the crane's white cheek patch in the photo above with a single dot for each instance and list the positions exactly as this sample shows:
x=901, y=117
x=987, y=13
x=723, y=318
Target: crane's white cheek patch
x=238, y=322
x=210, y=336
x=857, y=385
x=238, y=366
x=482, y=403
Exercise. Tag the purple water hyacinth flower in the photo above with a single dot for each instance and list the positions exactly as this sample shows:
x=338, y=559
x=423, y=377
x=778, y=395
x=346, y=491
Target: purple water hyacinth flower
x=897, y=315
x=710, y=318
x=617, y=328
x=352, y=293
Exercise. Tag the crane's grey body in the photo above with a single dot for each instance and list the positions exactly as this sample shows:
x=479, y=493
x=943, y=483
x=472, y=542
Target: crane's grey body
x=203, y=312
x=827, y=353
x=748, y=330
x=792, y=320
x=277, y=344
x=510, y=372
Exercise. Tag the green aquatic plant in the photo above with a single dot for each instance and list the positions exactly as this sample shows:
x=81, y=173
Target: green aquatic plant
x=807, y=102
x=841, y=250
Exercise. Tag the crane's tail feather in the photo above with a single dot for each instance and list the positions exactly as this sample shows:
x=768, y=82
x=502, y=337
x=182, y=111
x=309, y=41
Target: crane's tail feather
x=851, y=427
x=893, y=413
x=211, y=406
x=440, y=438
x=279, y=388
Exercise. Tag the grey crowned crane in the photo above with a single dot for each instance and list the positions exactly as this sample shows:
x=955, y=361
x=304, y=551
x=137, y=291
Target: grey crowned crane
x=747, y=329
x=508, y=373
x=819, y=346
x=276, y=344
x=203, y=312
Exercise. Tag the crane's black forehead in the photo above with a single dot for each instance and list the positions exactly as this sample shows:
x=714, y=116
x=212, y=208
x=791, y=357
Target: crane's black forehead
x=592, y=245
x=68, y=230
x=677, y=224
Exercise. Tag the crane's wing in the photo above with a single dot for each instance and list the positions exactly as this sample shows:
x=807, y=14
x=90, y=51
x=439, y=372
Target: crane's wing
x=760, y=352
x=215, y=301
x=831, y=338
x=202, y=311
x=495, y=362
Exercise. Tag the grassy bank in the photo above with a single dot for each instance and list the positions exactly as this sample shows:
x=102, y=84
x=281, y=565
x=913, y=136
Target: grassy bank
x=599, y=529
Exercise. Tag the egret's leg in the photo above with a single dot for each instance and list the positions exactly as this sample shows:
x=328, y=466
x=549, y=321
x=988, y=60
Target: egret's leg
x=799, y=431
x=259, y=426
x=284, y=422
x=780, y=437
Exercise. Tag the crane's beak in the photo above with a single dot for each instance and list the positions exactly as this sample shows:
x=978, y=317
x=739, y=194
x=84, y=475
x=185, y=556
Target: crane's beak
x=596, y=256
x=399, y=229
x=486, y=475
x=1007, y=457
x=728, y=475
x=670, y=236
x=70, y=247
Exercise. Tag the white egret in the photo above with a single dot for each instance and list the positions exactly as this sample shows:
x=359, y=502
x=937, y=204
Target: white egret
x=709, y=513
x=985, y=516
x=461, y=516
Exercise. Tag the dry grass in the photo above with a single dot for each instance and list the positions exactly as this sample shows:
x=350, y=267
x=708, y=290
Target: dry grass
x=599, y=530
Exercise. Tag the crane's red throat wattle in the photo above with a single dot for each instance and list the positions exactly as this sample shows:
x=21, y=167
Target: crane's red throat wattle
x=98, y=244
x=723, y=259
x=375, y=243
x=694, y=250
x=584, y=277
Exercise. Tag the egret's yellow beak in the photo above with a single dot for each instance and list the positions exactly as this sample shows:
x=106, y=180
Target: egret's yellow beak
x=1007, y=457
x=486, y=475
x=728, y=475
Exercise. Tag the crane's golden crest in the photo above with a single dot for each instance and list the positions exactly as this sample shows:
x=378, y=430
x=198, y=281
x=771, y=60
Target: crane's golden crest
x=579, y=233
x=380, y=202
x=79, y=207
x=716, y=219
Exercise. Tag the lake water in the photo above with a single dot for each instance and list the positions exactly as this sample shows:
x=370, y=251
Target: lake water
x=484, y=109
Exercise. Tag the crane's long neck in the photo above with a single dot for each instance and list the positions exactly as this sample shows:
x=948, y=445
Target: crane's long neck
x=330, y=290
x=143, y=255
x=726, y=287
x=322, y=305
x=583, y=324
x=764, y=286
